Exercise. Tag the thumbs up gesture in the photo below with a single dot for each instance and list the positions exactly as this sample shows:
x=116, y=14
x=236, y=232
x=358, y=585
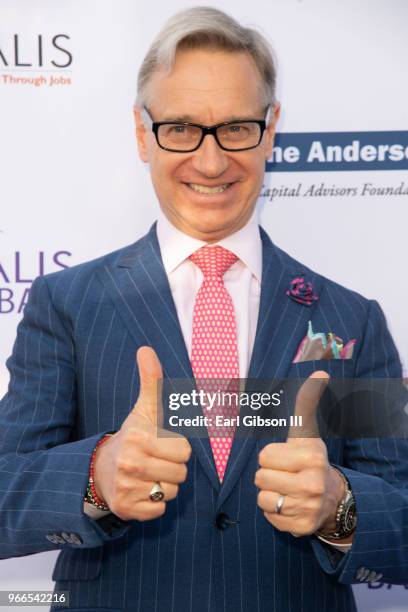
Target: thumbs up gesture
x=132, y=461
x=299, y=490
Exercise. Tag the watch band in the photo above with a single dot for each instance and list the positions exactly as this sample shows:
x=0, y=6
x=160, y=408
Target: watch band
x=346, y=515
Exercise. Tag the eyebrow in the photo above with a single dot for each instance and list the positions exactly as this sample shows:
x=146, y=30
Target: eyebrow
x=191, y=119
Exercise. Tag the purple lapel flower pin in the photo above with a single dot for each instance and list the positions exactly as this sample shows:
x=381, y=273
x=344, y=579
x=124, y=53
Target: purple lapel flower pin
x=302, y=291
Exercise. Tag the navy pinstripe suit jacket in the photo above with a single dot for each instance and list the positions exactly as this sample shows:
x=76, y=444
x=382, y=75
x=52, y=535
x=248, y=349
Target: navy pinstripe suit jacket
x=73, y=377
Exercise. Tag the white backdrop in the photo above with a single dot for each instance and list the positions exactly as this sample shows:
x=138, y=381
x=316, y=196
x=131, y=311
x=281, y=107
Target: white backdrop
x=72, y=187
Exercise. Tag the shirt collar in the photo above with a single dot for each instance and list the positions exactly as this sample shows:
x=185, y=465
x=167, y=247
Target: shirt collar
x=176, y=247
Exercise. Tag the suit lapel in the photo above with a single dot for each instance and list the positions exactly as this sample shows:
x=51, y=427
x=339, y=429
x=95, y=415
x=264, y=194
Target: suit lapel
x=139, y=289
x=282, y=323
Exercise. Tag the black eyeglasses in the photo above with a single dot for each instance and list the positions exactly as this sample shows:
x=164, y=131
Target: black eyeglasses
x=183, y=137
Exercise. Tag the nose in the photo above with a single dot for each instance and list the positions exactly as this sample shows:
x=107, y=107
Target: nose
x=209, y=159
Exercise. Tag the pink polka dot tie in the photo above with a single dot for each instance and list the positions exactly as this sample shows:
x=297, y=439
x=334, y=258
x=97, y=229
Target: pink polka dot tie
x=214, y=351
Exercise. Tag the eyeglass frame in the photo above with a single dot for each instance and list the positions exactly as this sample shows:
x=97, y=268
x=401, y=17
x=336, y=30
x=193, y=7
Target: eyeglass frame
x=211, y=129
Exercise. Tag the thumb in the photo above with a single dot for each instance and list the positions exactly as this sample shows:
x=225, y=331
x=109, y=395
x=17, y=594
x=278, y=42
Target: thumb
x=150, y=376
x=307, y=402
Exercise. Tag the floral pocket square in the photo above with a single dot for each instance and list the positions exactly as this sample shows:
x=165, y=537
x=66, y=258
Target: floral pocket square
x=321, y=345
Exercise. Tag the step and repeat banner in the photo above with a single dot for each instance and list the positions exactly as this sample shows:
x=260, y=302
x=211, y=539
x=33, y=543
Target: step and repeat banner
x=335, y=194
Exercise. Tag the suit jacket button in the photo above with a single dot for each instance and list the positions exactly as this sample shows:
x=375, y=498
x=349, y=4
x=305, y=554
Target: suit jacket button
x=222, y=521
x=71, y=538
x=360, y=573
x=55, y=538
x=51, y=538
x=371, y=576
x=76, y=539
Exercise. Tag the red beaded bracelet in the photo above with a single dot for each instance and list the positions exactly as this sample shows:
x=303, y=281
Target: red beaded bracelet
x=91, y=495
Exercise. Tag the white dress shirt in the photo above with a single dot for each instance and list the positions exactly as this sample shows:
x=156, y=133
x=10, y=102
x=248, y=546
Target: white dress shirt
x=242, y=280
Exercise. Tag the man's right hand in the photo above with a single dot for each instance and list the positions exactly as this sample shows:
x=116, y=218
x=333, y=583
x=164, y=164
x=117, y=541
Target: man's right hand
x=130, y=462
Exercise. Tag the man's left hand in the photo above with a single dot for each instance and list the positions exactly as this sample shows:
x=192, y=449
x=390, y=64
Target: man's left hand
x=299, y=470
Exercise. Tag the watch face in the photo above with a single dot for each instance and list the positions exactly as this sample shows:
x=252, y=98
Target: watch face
x=350, y=516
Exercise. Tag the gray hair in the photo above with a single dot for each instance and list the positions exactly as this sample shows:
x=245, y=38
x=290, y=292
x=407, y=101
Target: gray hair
x=206, y=27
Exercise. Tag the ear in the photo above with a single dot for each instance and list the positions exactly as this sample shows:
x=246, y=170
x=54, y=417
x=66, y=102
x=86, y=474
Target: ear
x=141, y=135
x=270, y=130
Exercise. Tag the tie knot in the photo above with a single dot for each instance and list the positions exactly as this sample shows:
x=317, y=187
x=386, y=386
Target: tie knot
x=213, y=261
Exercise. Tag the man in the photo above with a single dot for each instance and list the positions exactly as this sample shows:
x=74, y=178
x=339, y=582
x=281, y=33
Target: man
x=171, y=523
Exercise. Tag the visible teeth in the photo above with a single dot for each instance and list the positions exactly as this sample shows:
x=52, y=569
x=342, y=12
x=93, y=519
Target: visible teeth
x=205, y=189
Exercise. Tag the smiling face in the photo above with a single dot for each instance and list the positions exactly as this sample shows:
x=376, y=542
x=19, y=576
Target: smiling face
x=208, y=193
